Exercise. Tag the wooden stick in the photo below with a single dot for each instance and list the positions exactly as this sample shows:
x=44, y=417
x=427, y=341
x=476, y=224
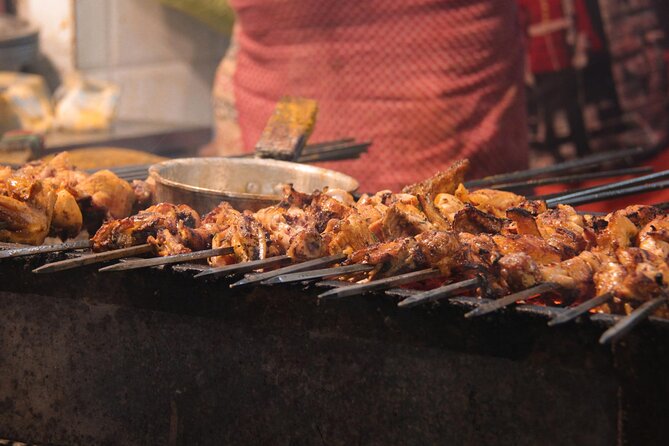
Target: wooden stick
x=167, y=260
x=626, y=324
x=381, y=284
x=93, y=258
x=511, y=299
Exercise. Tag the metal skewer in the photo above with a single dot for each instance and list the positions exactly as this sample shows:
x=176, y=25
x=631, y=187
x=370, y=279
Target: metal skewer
x=575, y=178
x=572, y=313
x=601, y=196
x=439, y=293
x=167, y=260
x=611, y=186
x=43, y=249
x=93, y=258
x=626, y=324
x=303, y=266
x=580, y=164
x=244, y=267
x=7, y=245
x=511, y=299
x=318, y=145
x=382, y=284
x=320, y=273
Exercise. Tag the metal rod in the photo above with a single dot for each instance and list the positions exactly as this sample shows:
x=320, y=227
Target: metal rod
x=304, y=266
x=626, y=324
x=602, y=196
x=44, y=249
x=558, y=194
x=439, y=293
x=341, y=151
x=243, y=267
x=582, y=163
x=579, y=310
x=575, y=178
x=347, y=146
x=93, y=258
x=318, y=145
x=511, y=299
x=664, y=205
x=382, y=284
x=7, y=245
x=338, y=146
x=320, y=273
x=334, y=156
x=611, y=186
x=167, y=260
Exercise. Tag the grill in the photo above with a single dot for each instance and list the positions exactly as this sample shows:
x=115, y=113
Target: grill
x=159, y=356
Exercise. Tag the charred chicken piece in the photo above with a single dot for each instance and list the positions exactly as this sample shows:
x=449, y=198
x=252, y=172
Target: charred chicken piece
x=474, y=221
x=564, y=229
x=390, y=258
x=26, y=210
x=620, y=229
x=67, y=218
x=148, y=226
x=372, y=209
x=494, y=202
x=227, y=227
x=448, y=205
x=404, y=219
x=446, y=181
x=284, y=220
x=99, y=196
x=654, y=237
x=348, y=235
x=247, y=238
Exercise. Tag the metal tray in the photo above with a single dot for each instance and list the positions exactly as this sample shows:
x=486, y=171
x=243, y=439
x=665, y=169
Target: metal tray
x=245, y=183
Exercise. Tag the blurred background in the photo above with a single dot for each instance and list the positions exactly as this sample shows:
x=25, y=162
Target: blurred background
x=158, y=62
x=142, y=74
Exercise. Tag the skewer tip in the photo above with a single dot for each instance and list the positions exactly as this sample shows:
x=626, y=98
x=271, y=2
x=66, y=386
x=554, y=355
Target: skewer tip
x=239, y=283
x=478, y=311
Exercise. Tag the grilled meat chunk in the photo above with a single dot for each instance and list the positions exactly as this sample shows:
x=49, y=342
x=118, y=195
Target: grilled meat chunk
x=178, y=220
x=492, y=201
x=654, y=237
x=474, y=221
x=348, y=235
x=564, y=229
x=26, y=210
x=445, y=182
x=448, y=205
x=245, y=235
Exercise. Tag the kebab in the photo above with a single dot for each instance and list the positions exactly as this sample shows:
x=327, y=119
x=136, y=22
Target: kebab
x=510, y=263
x=302, y=226
x=54, y=198
x=307, y=226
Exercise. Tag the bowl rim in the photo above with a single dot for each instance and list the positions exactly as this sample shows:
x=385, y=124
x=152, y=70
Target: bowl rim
x=154, y=172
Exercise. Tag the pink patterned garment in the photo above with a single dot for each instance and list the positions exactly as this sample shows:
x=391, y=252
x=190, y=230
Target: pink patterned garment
x=427, y=81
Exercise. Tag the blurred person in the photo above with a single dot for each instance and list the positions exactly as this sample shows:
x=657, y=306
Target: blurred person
x=557, y=36
x=428, y=81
